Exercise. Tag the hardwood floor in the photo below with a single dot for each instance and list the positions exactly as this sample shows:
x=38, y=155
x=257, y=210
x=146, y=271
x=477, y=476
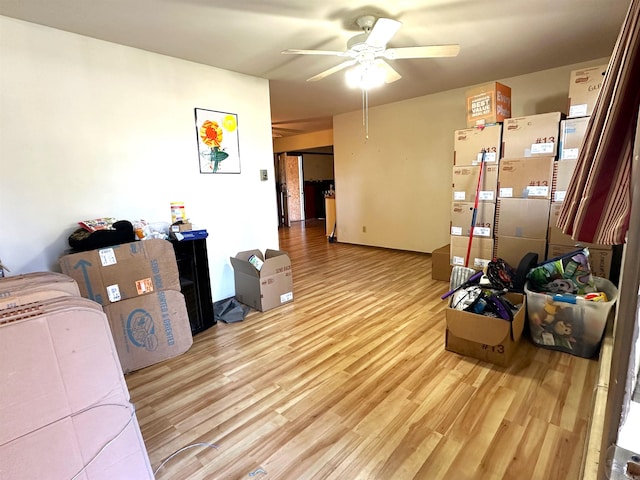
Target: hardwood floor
x=351, y=381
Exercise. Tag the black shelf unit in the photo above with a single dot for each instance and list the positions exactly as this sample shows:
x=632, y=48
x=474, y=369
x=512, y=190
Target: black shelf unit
x=193, y=267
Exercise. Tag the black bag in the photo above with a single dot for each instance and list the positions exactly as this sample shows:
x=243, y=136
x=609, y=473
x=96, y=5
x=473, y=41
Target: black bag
x=229, y=310
x=82, y=240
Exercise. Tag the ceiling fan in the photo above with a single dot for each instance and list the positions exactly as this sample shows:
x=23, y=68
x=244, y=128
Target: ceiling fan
x=367, y=51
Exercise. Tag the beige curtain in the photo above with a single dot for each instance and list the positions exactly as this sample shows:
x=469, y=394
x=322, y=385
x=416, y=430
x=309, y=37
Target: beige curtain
x=597, y=205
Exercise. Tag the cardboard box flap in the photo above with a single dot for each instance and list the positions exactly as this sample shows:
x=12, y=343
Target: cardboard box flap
x=276, y=262
x=247, y=253
x=241, y=263
x=269, y=253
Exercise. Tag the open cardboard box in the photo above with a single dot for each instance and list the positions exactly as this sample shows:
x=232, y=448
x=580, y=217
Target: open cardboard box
x=267, y=288
x=486, y=338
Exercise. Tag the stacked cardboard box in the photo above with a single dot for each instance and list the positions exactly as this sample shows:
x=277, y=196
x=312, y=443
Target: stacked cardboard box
x=477, y=154
x=530, y=146
x=138, y=286
x=584, y=87
x=468, y=160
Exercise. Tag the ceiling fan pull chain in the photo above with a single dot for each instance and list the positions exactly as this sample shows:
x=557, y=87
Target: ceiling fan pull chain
x=365, y=112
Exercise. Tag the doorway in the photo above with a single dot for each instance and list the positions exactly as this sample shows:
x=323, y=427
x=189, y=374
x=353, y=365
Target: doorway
x=302, y=179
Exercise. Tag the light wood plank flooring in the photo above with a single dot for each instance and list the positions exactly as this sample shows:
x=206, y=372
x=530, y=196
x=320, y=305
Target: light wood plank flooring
x=351, y=381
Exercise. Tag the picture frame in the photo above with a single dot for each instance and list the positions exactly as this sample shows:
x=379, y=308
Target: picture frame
x=217, y=141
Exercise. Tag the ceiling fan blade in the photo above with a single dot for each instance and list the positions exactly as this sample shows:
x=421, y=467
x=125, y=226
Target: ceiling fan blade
x=390, y=75
x=332, y=70
x=314, y=52
x=429, y=51
x=383, y=30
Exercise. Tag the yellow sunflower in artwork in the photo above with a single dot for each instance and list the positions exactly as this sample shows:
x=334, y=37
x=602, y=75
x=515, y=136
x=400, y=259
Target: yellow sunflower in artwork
x=211, y=133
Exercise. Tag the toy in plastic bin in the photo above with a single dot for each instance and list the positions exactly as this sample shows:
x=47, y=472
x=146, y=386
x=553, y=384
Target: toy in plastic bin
x=570, y=323
x=568, y=274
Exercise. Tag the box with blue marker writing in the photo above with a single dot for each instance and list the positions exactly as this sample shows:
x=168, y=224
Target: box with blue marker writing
x=149, y=329
x=111, y=274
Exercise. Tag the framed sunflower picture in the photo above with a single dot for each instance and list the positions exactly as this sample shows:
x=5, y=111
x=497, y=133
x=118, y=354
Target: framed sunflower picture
x=218, y=144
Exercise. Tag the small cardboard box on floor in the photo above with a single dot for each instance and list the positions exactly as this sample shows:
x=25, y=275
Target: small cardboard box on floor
x=440, y=265
x=267, y=288
x=486, y=338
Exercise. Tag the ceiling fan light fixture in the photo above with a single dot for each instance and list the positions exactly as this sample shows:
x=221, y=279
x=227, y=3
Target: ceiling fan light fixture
x=365, y=76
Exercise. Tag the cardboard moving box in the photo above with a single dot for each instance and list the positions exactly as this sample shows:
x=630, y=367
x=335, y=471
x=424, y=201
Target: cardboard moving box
x=481, y=251
x=526, y=177
x=465, y=183
x=488, y=103
x=572, y=132
x=513, y=249
x=600, y=259
x=584, y=88
x=531, y=136
x=486, y=338
x=267, y=288
x=150, y=328
x=111, y=274
x=558, y=237
x=522, y=217
x=562, y=173
x=469, y=143
x=462, y=215
x=440, y=266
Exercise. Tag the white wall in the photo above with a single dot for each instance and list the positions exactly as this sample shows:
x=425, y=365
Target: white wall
x=91, y=129
x=397, y=183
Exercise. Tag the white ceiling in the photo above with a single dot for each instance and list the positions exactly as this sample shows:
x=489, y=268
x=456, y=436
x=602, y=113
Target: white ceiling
x=498, y=38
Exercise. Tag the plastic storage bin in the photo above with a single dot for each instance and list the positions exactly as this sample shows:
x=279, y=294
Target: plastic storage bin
x=575, y=328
